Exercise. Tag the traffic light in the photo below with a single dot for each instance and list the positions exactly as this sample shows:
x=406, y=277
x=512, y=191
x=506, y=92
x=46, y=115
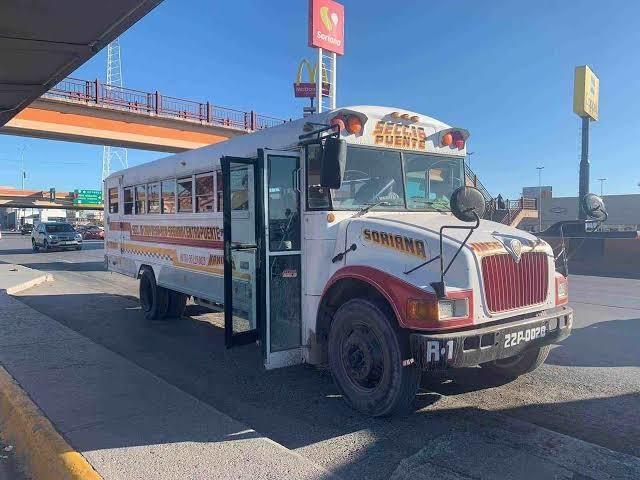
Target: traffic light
x=52, y=194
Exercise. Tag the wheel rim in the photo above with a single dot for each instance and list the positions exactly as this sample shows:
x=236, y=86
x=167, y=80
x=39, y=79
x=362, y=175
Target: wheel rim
x=145, y=295
x=362, y=358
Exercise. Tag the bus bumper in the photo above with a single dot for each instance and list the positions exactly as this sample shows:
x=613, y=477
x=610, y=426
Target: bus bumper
x=440, y=351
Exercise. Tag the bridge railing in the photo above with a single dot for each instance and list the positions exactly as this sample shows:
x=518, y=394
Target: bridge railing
x=153, y=103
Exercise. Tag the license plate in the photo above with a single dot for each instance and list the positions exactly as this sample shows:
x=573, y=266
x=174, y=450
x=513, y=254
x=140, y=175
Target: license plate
x=66, y=243
x=525, y=335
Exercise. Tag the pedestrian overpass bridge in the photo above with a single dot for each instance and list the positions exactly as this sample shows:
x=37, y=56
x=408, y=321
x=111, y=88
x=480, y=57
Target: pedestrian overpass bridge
x=15, y=198
x=90, y=112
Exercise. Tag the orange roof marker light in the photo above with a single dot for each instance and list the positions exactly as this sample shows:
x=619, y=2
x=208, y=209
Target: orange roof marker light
x=351, y=123
x=454, y=139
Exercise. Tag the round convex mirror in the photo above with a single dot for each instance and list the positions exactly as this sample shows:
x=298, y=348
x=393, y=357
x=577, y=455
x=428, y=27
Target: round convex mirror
x=467, y=204
x=593, y=206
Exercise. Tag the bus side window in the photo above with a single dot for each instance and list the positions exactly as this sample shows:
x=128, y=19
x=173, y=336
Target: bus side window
x=168, y=196
x=141, y=196
x=153, y=198
x=204, y=193
x=113, y=200
x=185, y=195
x=317, y=196
x=128, y=201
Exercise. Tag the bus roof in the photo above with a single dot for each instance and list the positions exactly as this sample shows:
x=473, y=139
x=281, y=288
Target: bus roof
x=397, y=123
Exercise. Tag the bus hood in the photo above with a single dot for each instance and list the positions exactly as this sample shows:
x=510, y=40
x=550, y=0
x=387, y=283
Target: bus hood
x=406, y=245
x=396, y=242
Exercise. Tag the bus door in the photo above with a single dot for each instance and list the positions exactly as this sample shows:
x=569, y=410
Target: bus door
x=262, y=269
x=281, y=270
x=242, y=224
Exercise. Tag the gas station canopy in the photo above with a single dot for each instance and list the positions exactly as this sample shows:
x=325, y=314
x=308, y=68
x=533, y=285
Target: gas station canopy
x=43, y=41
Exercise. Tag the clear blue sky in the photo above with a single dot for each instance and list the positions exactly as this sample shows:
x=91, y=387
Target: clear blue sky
x=501, y=69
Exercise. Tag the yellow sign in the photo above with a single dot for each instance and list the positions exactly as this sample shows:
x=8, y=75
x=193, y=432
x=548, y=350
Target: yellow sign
x=586, y=91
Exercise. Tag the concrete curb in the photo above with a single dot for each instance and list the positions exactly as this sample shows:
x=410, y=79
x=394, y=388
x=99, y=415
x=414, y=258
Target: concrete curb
x=45, y=453
x=12, y=270
x=28, y=284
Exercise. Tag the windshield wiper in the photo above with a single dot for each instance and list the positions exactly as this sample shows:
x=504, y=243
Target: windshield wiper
x=383, y=203
x=431, y=204
x=369, y=206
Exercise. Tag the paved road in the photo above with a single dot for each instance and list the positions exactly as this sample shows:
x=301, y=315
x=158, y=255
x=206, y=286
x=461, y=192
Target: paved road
x=588, y=389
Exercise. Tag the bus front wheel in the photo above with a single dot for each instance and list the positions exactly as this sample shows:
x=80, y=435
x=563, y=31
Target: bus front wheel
x=154, y=300
x=365, y=357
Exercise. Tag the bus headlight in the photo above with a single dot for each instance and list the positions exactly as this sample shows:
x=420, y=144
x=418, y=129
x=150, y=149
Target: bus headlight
x=453, y=308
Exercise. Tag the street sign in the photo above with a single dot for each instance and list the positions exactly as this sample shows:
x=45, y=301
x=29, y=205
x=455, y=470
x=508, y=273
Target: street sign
x=87, y=197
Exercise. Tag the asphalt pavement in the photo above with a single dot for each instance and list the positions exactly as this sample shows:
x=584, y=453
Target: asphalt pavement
x=588, y=390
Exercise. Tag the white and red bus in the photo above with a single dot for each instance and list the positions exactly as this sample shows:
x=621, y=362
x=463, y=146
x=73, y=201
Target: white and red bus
x=346, y=238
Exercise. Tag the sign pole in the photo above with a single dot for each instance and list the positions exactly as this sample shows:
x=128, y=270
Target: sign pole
x=319, y=70
x=334, y=88
x=583, y=184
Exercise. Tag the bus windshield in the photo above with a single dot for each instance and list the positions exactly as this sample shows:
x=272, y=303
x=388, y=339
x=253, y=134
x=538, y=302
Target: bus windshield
x=397, y=180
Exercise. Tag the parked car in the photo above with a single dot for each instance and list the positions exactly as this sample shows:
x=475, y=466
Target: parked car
x=91, y=232
x=50, y=235
x=26, y=229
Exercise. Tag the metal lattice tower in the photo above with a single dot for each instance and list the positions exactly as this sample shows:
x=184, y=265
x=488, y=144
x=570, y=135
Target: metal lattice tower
x=112, y=155
x=326, y=76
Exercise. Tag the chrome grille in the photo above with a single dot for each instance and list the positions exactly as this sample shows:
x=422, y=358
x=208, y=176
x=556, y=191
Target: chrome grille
x=509, y=285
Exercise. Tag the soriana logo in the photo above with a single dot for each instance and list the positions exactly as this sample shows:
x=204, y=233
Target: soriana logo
x=326, y=25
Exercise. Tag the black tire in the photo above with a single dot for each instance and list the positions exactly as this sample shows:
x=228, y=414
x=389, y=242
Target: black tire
x=365, y=357
x=526, y=362
x=34, y=245
x=79, y=247
x=46, y=246
x=177, y=304
x=154, y=300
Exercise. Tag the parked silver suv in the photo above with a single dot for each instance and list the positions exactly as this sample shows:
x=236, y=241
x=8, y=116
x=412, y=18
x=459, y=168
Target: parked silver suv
x=50, y=235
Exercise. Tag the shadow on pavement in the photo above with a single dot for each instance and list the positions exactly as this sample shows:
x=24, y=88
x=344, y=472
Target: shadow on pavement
x=613, y=343
x=93, y=266
x=299, y=406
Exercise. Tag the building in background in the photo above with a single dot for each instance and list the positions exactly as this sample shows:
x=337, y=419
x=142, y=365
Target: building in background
x=13, y=218
x=546, y=191
x=623, y=210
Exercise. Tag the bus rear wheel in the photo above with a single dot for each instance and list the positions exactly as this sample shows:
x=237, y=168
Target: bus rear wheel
x=154, y=300
x=365, y=357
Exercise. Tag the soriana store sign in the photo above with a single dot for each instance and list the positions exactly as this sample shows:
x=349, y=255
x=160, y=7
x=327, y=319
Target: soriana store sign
x=326, y=25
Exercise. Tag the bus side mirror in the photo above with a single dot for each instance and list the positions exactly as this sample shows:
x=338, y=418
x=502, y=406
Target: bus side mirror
x=467, y=204
x=594, y=207
x=334, y=157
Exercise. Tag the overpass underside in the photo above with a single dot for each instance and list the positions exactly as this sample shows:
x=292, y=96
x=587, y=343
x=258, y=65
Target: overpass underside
x=14, y=198
x=84, y=123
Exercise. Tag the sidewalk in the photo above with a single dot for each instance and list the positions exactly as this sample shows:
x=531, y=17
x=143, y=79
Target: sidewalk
x=126, y=422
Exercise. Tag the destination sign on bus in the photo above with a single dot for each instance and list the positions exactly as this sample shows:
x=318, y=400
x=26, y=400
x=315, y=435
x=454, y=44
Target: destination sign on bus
x=399, y=135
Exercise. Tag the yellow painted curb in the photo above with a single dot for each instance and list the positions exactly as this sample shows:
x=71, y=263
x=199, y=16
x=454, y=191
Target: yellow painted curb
x=45, y=453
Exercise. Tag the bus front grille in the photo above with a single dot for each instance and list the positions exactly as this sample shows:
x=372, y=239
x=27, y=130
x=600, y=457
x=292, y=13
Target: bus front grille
x=509, y=285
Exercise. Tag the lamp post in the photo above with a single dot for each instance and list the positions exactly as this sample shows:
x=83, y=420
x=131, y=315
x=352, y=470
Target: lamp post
x=540, y=168
x=602, y=180
x=469, y=159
